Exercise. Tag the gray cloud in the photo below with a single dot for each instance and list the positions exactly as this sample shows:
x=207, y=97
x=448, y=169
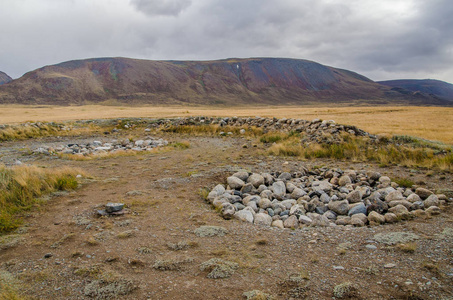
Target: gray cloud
x=161, y=7
x=382, y=40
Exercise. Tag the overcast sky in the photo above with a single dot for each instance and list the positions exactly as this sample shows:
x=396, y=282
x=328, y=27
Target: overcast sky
x=381, y=39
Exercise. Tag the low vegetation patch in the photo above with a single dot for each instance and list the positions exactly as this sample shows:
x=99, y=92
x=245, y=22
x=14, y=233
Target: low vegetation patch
x=21, y=186
x=36, y=130
x=360, y=149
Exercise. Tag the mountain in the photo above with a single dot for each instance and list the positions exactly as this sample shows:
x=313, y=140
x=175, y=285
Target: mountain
x=436, y=88
x=231, y=81
x=4, y=78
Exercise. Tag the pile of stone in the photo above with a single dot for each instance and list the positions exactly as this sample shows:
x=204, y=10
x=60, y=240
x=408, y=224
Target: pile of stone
x=98, y=147
x=317, y=131
x=321, y=197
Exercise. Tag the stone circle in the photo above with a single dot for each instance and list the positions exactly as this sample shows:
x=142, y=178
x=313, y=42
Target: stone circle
x=321, y=197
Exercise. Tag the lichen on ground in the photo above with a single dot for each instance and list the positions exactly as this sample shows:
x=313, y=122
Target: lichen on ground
x=393, y=238
x=343, y=290
x=204, y=231
x=219, y=268
x=101, y=289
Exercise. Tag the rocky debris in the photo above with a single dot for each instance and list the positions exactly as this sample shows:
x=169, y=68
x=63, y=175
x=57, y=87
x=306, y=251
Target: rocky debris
x=320, y=197
x=112, y=209
x=315, y=131
x=98, y=147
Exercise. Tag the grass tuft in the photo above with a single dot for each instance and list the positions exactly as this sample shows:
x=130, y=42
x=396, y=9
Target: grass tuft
x=20, y=187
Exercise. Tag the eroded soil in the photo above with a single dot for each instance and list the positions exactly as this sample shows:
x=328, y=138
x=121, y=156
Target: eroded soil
x=66, y=251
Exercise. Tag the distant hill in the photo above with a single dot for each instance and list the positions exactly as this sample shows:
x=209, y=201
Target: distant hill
x=436, y=88
x=269, y=81
x=4, y=78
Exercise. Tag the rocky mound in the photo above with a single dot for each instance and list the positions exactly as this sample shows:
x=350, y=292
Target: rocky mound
x=321, y=197
x=99, y=147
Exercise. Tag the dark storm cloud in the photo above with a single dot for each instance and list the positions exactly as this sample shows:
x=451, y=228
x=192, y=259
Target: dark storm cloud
x=384, y=39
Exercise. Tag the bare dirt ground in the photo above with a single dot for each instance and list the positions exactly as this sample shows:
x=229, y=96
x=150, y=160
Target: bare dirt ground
x=67, y=252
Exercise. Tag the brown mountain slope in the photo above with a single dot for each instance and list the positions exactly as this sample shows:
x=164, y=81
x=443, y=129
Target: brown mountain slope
x=231, y=81
x=437, y=88
x=4, y=78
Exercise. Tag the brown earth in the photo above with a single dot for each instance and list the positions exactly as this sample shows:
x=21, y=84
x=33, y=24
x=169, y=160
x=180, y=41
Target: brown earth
x=84, y=248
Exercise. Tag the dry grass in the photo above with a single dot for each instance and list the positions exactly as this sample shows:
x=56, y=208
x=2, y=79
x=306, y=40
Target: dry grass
x=20, y=187
x=27, y=131
x=408, y=247
x=427, y=155
x=433, y=123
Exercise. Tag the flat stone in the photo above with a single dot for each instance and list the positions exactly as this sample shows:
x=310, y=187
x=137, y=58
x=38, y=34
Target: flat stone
x=113, y=207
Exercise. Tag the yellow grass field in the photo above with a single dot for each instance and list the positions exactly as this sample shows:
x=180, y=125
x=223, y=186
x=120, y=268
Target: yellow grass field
x=433, y=123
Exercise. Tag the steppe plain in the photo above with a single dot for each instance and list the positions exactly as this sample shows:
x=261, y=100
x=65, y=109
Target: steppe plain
x=65, y=251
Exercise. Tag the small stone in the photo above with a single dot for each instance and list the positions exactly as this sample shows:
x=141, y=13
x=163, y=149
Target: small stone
x=48, y=255
x=113, y=207
x=389, y=266
x=358, y=220
x=423, y=193
x=433, y=210
x=242, y=175
x=399, y=209
x=278, y=224
x=244, y=215
x=372, y=247
x=319, y=220
x=256, y=180
x=291, y=222
x=354, y=197
x=235, y=183
x=265, y=203
x=385, y=181
x=344, y=180
x=305, y=220
x=376, y=218
x=390, y=218
x=413, y=198
x=358, y=209
x=339, y=207
x=432, y=200
x=338, y=267
x=263, y=219
x=279, y=189
x=394, y=196
x=228, y=211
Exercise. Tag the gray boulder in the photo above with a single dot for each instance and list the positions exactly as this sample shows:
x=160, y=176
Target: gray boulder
x=262, y=219
x=235, y=182
x=339, y=207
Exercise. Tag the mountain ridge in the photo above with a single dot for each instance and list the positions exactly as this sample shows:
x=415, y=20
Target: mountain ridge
x=441, y=89
x=4, y=78
x=227, y=81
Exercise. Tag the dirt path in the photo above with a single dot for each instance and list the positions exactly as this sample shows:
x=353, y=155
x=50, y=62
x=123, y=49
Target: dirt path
x=68, y=252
